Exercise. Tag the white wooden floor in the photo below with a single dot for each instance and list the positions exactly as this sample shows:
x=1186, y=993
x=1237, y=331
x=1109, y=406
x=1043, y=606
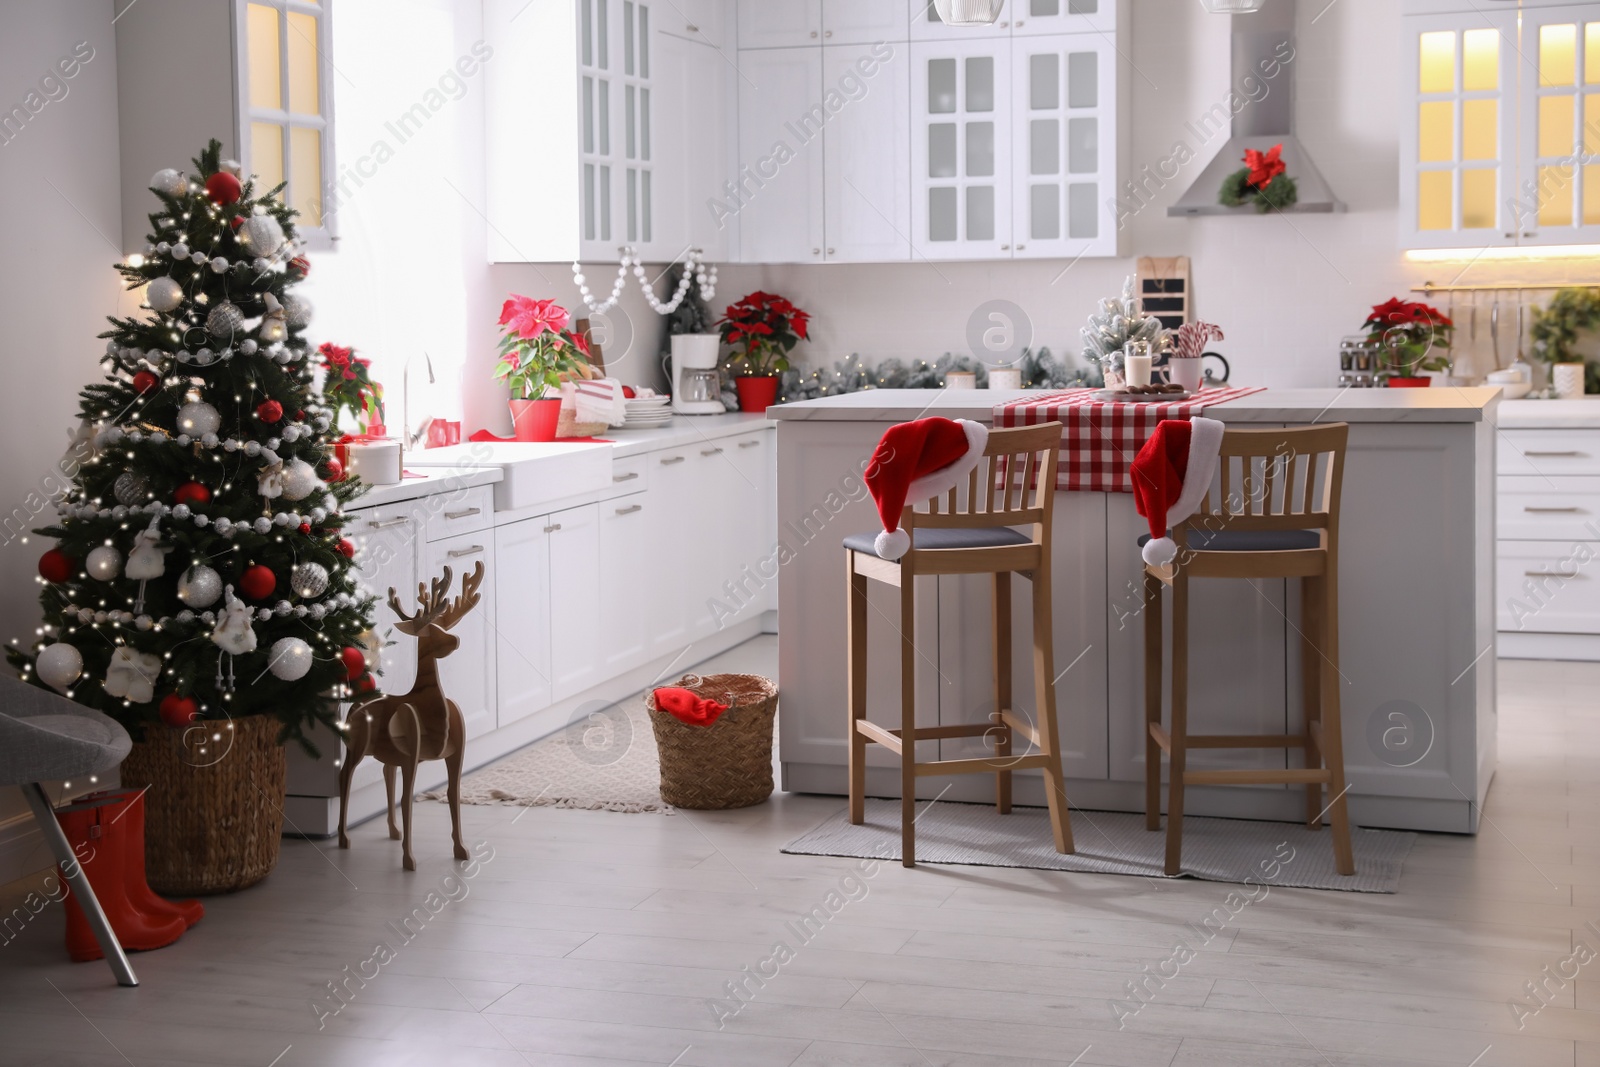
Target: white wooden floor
x=594, y=938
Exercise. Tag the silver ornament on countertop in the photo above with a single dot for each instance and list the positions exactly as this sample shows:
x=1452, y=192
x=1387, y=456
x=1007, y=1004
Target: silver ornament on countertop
x=309, y=580
x=224, y=319
x=199, y=586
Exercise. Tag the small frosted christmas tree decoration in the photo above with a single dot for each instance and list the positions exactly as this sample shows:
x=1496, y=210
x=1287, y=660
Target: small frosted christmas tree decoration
x=1118, y=323
x=200, y=569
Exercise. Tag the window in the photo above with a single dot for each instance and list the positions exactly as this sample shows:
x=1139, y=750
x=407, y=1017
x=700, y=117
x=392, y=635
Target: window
x=284, y=95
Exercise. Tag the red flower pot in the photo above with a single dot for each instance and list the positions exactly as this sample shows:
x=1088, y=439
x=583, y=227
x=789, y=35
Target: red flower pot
x=535, y=420
x=756, y=393
x=1410, y=383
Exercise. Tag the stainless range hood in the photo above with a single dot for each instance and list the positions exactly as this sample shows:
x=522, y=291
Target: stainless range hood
x=1260, y=41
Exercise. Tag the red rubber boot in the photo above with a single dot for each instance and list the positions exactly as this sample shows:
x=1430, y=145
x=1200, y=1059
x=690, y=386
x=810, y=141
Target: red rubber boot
x=125, y=809
x=100, y=847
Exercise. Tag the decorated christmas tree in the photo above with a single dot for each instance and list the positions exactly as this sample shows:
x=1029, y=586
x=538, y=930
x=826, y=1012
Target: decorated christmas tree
x=1119, y=322
x=200, y=569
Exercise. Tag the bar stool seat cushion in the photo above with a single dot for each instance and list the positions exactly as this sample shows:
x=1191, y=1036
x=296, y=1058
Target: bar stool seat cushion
x=941, y=537
x=1249, y=540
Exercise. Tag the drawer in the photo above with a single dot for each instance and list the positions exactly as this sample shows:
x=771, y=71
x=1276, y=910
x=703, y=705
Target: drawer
x=631, y=475
x=1548, y=587
x=1549, y=452
x=461, y=512
x=1532, y=508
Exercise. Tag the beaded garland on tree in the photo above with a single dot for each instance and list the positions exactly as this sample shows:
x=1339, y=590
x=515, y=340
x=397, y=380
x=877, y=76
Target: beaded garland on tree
x=198, y=458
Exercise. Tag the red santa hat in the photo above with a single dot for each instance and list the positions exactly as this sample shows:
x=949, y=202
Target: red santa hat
x=917, y=461
x=1171, y=476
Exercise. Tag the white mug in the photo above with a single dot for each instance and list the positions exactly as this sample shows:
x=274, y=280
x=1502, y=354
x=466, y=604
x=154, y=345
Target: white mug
x=1005, y=378
x=1185, y=371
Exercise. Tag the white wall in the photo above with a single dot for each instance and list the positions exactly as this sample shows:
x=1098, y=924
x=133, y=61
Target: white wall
x=61, y=215
x=1285, y=288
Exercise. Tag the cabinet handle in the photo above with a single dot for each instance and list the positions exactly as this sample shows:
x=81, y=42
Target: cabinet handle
x=1531, y=233
x=630, y=476
x=385, y=524
x=552, y=528
x=457, y=553
x=1021, y=247
x=825, y=33
x=1553, y=574
x=1019, y=22
x=709, y=451
x=813, y=34
x=1511, y=236
x=1566, y=454
x=672, y=459
x=749, y=444
x=1003, y=25
x=463, y=513
x=816, y=251
x=630, y=509
x=1553, y=511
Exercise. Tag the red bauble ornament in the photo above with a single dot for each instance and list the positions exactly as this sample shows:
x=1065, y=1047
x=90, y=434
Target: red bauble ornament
x=236, y=221
x=305, y=528
x=334, y=468
x=299, y=416
x=191, y=493
x=144, y=381
x=347, y=548
x=258, y=582
x=354, y=660
x=178, y=711
x=270, y=411
x=300, y=265
x=223, y=188
x=56, y=566
x=366, y=684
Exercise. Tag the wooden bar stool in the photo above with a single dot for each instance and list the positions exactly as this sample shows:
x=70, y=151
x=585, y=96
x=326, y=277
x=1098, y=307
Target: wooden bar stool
x=1273, y=512
x=1012, y=485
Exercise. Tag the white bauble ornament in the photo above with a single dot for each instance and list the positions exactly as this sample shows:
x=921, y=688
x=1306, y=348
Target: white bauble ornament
x=170, y=182
x=299, y=480
x=296, y=310
x=199, y=586
x=224, y=319
x=219, y=265
x=103, y=563
x=163, y=294
x=289, y=659
x=130, y=489
x=197, y=418
x=59, y=665
x=261, y=235
x=309, y=580
x=180, y=250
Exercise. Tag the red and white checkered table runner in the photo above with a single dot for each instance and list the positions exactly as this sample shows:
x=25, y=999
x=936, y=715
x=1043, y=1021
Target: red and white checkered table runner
x=1099, y=438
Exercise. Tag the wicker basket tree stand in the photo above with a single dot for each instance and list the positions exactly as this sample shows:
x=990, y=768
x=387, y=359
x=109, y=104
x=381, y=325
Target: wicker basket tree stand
x=214, y=806
x=727, y=764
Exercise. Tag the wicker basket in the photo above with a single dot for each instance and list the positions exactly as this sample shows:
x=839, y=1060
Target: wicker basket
x=214, y=810
x=727, y=764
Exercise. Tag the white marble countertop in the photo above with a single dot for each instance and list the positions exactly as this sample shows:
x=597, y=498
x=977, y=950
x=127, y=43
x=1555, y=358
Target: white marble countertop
x=1550, y=414
x=682, y=430
x=1273, y=405
x=429, y=480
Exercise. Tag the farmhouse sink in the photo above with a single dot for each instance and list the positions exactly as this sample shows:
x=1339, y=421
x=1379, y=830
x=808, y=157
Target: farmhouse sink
x=535, y=473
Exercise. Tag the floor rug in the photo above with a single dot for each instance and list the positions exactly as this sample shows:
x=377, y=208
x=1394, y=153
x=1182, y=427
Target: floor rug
x=1216, y=850
x=604, y=761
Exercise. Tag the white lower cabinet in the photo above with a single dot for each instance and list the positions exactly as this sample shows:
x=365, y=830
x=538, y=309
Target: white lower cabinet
x=628, y=607
x=1547, y=525
x=576, y=658
x=522, y=613
x=386, y=542
x=467, y=675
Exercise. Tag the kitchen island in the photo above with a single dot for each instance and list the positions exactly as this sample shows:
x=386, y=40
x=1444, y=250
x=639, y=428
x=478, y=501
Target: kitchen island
x=1417, y=627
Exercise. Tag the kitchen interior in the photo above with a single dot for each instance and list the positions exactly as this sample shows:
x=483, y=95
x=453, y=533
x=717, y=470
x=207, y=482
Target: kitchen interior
x=780, y=261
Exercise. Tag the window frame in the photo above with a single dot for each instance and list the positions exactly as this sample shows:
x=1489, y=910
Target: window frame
x=326, y=236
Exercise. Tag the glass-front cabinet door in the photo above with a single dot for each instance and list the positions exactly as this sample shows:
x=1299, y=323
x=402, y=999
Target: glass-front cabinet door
x=1030, y=17
x=1458, y=133
x=1064, y=145
x=1558, y=196
x=960, y=146
x=616, y=170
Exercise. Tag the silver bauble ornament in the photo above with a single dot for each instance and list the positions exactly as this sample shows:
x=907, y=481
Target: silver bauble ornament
x=224, y=319
x=163, y=294
x=130, y=489
x=309, y=580
x=197, y=418
x=199, y=586
x=261, y=235
x=289, y=659
x=180, y=250
x=59, y=665
x=299, y=480
x=296, y=310
x=170, y=182
x=103, y=563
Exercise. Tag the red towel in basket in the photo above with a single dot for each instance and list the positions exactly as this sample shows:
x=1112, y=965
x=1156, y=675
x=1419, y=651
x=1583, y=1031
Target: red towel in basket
x=688, y=708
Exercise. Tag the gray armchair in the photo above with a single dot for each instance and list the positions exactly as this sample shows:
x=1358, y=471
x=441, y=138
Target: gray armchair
x=44, y=737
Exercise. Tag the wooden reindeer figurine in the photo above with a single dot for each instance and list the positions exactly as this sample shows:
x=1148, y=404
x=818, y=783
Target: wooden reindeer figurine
x=402, y=730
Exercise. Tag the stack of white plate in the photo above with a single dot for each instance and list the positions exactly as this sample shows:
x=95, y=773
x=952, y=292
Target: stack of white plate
x=648, y=411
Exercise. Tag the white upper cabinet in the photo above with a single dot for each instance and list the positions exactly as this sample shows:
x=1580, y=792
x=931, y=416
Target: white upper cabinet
x=1500, y=139
x=961, y=149
x=1030, y=17
x=779, y=23
x=867, y=154
x=864, y=21
x=704, y=21
x=693, y=101
x=927, y=26
x=779, y=182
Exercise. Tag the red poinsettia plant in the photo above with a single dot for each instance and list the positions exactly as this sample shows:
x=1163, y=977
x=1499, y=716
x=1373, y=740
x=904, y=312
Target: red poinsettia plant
x=1261, y=181
x=762, y=328
x=1415, y=335
x=347, y=385
x=538, y=349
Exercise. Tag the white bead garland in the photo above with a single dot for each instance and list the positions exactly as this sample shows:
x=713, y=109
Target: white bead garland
x=694, y=266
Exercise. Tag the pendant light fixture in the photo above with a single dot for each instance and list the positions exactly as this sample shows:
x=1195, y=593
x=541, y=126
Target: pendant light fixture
x=1232, y=7
x=968, y=12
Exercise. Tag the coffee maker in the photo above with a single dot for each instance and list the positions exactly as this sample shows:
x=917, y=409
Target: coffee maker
x=695, y=389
